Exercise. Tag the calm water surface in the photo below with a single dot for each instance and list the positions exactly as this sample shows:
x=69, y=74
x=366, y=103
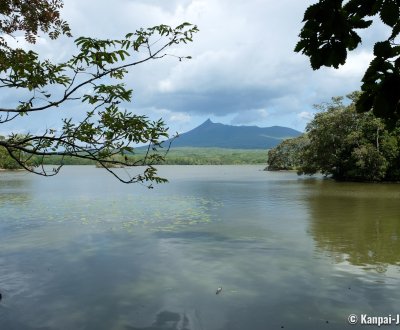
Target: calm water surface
x=83, y=251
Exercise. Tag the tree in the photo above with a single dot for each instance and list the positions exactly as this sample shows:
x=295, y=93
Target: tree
x=287, y=154
x=329, y=33
x=351, y=146
x=94, y=76
x=6, y=162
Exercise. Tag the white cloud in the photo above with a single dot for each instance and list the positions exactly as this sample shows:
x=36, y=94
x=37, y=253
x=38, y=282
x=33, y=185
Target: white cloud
x=179, y=117
x=305, y=115
x=355, y=66
x=243, y=60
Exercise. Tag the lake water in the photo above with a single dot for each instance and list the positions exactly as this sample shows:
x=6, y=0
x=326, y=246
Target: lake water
x=83, y=251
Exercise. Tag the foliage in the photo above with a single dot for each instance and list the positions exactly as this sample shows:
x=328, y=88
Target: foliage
x=287, y=155
x=350, y=145
x=329, y=32
x=344, y=144
x=6, y=162
x=184, y=156
x=94, y=76
x=214, y=156
x=30, y=17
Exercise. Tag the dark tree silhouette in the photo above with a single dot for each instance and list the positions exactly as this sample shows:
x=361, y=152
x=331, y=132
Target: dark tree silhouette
x=329, y=32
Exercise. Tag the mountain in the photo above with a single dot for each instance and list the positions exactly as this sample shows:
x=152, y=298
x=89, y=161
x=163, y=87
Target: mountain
x=216, y=135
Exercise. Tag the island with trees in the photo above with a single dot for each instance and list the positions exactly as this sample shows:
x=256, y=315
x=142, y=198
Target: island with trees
x=344, y=144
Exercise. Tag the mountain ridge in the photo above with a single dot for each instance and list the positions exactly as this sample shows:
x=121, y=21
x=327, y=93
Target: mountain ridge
x=217, y=135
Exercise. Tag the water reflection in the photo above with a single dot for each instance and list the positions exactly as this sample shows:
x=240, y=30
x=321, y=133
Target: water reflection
x=356, y=223
x=88, y=253
x=166, y=320
x=14, y=188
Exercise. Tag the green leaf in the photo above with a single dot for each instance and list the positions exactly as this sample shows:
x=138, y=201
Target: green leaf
x=353, y=41
x=338, y=55
x=300, y=46
x=316, y=60
x=365, y=102
x=390, y=13
x=312, y=12
x=363, y=7
x=383, y=49
x=358, y=23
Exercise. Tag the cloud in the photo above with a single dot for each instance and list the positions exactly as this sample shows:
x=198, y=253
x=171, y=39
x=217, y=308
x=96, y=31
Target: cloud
x=179, y=117
x=250, y=117
x=243, y=60
x=305, y=115
x=355, y=66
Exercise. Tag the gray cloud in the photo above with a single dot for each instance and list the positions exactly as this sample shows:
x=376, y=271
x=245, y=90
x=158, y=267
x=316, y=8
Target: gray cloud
x=217, y=102
x=250, y=117
x=243, y=60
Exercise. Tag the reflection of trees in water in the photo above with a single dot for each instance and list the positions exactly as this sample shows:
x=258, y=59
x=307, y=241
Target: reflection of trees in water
x=16, y=198
x=13, y=188
x=357, y=223
x=8, y=180
x=166, y=321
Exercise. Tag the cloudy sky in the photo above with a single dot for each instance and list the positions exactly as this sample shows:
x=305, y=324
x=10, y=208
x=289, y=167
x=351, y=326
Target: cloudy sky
x=243, y=69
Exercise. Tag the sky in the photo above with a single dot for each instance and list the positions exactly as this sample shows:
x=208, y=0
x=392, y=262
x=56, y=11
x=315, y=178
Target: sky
x=243, y=69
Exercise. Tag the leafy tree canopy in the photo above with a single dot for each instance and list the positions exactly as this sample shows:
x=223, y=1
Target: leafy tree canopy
x=344, y=144
x=329, y=32
x=31, y=17
x=287, y=154
x=93, y=76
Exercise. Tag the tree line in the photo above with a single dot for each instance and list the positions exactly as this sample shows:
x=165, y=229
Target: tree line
x=176, y=156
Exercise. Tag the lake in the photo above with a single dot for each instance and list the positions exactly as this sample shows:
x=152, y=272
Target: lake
x=82, y=251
